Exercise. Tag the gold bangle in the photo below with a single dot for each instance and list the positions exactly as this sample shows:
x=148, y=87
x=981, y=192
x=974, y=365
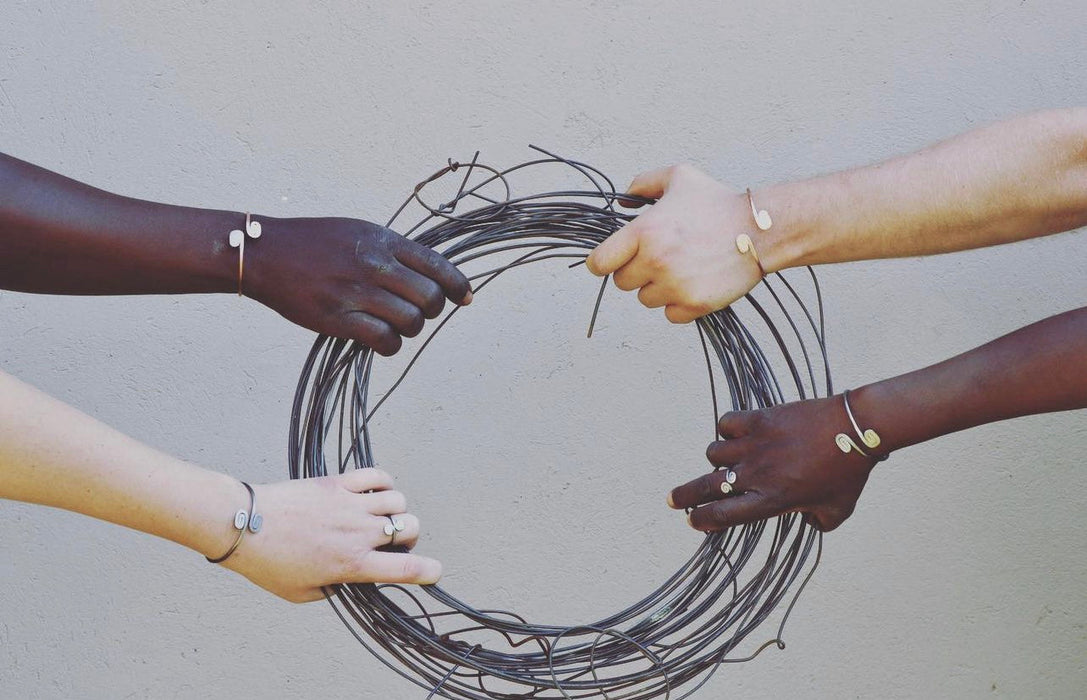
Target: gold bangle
x=870, y=438
x=744, y=244
x=761, y=216
x=237, y=240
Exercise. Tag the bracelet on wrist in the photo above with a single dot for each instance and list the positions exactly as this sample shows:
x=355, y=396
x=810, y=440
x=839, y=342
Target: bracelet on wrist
x=237, y=240
x=744, y=244
x=868, y=437
x=244, y=520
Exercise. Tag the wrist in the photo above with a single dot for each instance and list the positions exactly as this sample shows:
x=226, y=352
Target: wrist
x=788, y=242
x=261, y=254
x=200, y=515
x=896, y=416
x=179, y=249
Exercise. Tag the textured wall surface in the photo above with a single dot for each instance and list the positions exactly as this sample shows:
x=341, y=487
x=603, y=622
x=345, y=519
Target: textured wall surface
x=538, y=459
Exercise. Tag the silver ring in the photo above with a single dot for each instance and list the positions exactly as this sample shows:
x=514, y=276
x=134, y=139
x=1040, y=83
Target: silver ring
x=392, y=527
x=730, y=479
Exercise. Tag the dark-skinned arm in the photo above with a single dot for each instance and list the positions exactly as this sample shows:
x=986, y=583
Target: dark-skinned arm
x=343, y=277
x=785, y=457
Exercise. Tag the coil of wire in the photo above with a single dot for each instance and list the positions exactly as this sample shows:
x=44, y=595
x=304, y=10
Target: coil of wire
x=674, y=639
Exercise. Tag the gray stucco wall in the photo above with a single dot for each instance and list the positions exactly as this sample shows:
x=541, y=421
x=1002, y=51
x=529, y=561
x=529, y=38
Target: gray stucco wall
x=962, y=573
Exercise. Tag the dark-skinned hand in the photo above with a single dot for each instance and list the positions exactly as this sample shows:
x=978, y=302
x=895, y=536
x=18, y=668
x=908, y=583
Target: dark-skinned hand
x=351, y=279
x=785, y=461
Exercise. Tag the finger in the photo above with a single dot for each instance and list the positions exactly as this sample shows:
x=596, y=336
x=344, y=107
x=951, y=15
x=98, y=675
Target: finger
x=416, y=288
x=735, y=424
x=652, y=183
x=729, y=512
x=385, y=502
x=827, y=518
x=632, y=275
x=405, y=317
x=434, y=266
x=706, y=489
x=630, y=202
x=307, y=596
x=653, y=295
x=368, y=479
x=373, y=332
x=617, y=250
x=407, y=536
x=682, y=314
x=388, y=567
x=726, y=453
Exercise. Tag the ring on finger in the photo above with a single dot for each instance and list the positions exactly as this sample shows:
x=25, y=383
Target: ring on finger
x=392, y=527
x=728, y=481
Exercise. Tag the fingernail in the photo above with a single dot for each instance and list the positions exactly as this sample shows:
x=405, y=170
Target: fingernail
x=468, y=298
x=671, y=502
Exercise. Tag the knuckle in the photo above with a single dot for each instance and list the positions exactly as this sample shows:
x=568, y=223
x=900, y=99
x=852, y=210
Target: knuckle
x=703, y=307
x=623, y=282
x=388, y=344
x=635, y=229
x=692, y=300
x=707, y=518
x=294, y=596
x=413, y=325
x=346, y=565
x=658, y=261
x=434, y=303
x=410, y=568
x=777, y=500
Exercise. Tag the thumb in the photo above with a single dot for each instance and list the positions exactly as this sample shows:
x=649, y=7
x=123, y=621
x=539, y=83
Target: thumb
x=617, y=250
x=652, y=183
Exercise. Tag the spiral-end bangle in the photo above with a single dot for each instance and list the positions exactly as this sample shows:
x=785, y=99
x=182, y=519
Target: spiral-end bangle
x=242, y=519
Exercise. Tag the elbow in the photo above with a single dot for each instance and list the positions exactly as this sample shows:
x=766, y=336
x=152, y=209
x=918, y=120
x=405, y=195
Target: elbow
x=1076, y=124
x=1074, y=146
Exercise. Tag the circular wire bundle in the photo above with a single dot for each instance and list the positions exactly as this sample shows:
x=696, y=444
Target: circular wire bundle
x=675, y=638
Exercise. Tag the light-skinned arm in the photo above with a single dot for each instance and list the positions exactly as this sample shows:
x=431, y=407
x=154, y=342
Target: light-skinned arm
x=1009, y=181
x=316, y=532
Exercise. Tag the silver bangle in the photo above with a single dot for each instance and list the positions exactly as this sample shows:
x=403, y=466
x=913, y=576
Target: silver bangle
x=243, y=520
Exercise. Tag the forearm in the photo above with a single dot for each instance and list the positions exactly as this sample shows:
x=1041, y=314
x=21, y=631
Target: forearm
x=1017, y=179
x=1038, y=369
x=64, y=237
x=54, y=455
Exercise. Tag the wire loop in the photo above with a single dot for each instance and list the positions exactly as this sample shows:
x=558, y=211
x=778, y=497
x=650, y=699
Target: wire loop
x=677, y=636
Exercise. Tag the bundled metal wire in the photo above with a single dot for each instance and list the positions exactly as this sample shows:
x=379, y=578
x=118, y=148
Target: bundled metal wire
x=673, y=640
